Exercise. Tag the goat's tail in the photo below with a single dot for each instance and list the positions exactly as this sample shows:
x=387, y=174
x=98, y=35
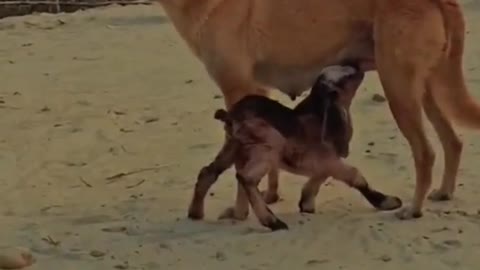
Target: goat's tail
x=222, y=115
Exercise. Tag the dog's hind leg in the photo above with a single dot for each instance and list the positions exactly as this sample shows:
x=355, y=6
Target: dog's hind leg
x=401, y=92
x=409, y=41
x=208, y=176
x=451, y=143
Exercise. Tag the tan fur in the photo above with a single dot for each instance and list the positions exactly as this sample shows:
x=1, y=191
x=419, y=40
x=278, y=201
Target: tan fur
x=416, y=46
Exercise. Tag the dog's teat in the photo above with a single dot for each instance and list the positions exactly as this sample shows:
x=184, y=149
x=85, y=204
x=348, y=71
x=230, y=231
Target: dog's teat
x=335, y=74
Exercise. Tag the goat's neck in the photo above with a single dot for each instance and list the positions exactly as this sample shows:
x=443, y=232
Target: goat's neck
x=188, y=16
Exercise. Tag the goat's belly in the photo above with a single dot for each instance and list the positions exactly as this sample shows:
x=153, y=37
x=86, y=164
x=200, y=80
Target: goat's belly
x=295, y=170
x=297, y=166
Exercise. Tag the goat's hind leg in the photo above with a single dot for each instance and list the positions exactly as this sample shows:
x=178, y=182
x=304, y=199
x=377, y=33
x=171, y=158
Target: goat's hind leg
x=270, y=195
x=208, y=176
x=249, y=176
x=352, y=177
x=309, y=193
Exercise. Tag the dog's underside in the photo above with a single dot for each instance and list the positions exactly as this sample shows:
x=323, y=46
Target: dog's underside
x=416, y=46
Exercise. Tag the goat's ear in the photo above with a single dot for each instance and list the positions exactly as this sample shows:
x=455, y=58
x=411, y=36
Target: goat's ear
x=333, y=95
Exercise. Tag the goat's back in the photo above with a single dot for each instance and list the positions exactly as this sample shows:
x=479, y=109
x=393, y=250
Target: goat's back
x=279, y=116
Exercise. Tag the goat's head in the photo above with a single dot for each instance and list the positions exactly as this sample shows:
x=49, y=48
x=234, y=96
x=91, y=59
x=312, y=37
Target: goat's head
x=333, y=92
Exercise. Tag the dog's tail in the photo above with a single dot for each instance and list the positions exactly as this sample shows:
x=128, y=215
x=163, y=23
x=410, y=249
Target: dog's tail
x=450, y=91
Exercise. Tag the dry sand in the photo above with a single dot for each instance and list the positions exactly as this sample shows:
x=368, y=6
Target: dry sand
x=93, y=94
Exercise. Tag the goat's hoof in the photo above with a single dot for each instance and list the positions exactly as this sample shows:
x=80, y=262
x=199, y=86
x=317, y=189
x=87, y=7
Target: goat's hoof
x=277, y=225
x=306, y=206
x=195, y=214
x=270, y=197
x=231, y=213
x=440, y=195
x=390, y=203
x=307, y=210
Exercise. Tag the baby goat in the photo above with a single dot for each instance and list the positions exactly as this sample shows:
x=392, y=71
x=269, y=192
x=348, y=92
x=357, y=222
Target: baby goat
x=309, y=140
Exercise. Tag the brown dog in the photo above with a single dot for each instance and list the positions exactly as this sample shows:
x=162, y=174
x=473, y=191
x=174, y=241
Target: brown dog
x=251, y=46
x=309, y=140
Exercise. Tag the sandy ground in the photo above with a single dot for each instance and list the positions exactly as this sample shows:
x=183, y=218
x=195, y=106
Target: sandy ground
x=91, y=95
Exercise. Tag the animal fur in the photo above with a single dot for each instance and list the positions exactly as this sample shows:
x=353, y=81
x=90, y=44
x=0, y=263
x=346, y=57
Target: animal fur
x=309, y=140
x=416, y=46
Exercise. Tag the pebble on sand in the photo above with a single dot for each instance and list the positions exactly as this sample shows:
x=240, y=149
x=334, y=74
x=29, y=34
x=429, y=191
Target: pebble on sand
x=97, y=253
x=378, y=98
x=385, y=258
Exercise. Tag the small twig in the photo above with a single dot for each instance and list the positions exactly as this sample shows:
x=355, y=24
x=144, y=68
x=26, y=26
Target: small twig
x=9, y=107
x=124, y=149
x=50, y=241
x=85, y=182
x=123, y=174
x=45, y=209
x=81, y=58
x=137, y=184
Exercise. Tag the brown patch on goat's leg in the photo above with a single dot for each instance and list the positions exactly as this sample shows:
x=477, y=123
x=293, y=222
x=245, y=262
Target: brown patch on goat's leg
x=263, y=213
x=234, y=86
x=270, y=196
x=309, y=193
x=208, y=176
x=352, y=177
x=234, y=79
x=257, y=165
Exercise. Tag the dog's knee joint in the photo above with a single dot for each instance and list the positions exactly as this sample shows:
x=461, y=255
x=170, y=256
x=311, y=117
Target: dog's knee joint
x=457, y=145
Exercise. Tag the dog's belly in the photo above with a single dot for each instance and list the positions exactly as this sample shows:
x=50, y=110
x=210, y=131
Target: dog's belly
x=295, y=78
x=297, y=39
x=289, y=80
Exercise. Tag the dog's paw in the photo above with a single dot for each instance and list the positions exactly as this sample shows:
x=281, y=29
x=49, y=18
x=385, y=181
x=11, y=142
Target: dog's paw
x=439, y=195
x=270, y=197
x=230, y=213
x=407, y=212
